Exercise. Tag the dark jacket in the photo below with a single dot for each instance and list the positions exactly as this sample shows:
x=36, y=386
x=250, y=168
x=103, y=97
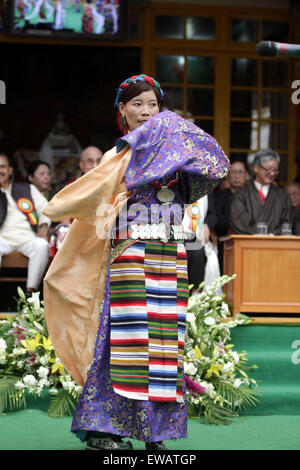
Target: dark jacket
x=22, y=195
x=247, y=209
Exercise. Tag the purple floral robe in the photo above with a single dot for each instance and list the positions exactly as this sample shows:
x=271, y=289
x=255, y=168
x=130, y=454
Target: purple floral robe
x=164, y=148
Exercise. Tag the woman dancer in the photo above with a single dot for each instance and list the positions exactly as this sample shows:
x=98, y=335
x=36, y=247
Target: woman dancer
x=134, y=386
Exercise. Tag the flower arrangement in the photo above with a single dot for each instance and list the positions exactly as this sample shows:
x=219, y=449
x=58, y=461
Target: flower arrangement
x=28, y=361
x=210, y=360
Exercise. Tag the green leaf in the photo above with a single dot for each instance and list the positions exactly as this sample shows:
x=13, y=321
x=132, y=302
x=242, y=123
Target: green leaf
x=217, y=414
x=242, y=316
x=62, y=405
x=10, y=398
x=21, y=293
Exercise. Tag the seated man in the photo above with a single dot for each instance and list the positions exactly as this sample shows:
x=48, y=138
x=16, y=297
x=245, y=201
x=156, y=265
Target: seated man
x=23, y=226
x=89, y=159
x=261, y=200
x=236, y=178
x=293, y=189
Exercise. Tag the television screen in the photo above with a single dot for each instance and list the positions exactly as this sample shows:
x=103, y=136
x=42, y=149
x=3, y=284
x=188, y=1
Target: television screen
x=96, y=18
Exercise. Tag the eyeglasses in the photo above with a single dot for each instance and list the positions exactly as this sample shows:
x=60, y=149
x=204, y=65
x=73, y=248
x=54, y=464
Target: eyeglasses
x=270, y=170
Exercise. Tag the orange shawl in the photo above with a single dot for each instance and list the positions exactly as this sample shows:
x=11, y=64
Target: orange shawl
x=75, y=282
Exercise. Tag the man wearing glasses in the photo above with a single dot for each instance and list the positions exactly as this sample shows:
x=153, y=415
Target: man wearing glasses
x=90, y=157
x=261, y=200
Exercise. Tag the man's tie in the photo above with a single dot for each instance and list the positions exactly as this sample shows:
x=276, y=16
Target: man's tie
x=261, y=195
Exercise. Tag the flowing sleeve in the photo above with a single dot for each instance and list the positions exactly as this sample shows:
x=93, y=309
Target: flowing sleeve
x=83, y=198
x=166, y=144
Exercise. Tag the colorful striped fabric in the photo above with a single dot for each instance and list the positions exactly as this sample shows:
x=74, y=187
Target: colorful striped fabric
x=149, y=292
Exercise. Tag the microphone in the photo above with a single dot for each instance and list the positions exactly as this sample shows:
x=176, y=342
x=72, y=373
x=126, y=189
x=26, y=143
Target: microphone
x=277, y=49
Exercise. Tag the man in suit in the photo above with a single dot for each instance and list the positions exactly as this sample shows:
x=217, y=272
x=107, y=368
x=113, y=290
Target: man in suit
x=293, y=189
x=261, y=200
x=236, y=178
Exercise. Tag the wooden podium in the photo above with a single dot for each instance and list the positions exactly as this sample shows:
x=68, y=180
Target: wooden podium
x=268, y=274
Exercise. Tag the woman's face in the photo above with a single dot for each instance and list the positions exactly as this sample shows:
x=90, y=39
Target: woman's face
x=139, y=109
x=41, y=178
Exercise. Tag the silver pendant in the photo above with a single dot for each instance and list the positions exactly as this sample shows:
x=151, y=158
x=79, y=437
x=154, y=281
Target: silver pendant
x=165, y=195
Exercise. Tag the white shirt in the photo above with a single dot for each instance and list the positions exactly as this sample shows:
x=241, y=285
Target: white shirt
x=263, y=187
x=16, y=229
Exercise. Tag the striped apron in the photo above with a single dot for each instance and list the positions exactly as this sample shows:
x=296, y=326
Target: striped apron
x=149, y=293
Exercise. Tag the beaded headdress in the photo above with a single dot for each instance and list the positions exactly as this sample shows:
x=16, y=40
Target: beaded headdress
x=138, y=78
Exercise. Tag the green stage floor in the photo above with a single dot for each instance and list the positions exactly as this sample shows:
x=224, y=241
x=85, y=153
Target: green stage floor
x=274, y=424
x=33, y=429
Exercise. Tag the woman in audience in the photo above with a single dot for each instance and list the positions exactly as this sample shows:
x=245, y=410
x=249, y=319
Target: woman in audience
x=39, y=174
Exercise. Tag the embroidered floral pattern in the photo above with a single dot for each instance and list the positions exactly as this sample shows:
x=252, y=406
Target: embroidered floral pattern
x=100, y=409
x=168, y=143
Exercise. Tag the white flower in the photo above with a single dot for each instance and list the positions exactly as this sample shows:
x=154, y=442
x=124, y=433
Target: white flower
x=53, y=391
x=189, y=368
x=43, y=383
x=38, y=326
x=2, y=351
x=2, y=345
x=191, y=354
x=34, y=300
x=235, y=357
x=20, y=364
x=190, y=317
x=44, y=359
x=18, y=351
x=29, y=380
x=224, y=309
x=210, y=321
x=209, y=389
x=78, y=389
x=227, y=367
x=237, y=383
x=19, y=385
x=205, y=359
x=43, y=372
x=68, y=386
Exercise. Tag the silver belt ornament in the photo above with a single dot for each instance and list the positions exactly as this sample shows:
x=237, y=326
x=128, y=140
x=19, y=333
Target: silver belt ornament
x=159, y=231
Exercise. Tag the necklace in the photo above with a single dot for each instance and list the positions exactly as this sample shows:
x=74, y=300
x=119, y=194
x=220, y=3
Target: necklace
x=165, y=195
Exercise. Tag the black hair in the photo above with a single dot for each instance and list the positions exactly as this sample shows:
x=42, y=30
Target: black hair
x=134, y=89
x=242, y=162
x=9, y=160
x=33, y=166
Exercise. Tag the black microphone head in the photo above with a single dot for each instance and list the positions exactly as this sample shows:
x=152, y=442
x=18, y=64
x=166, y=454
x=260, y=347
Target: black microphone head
x=266, y=48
